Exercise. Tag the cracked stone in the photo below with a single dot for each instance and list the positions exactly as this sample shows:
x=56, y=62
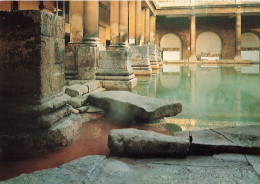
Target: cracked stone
x=133, y=142
x=245, y=139
x=222, y=168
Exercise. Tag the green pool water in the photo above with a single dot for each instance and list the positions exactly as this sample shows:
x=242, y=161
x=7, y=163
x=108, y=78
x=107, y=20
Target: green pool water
x=211, y=95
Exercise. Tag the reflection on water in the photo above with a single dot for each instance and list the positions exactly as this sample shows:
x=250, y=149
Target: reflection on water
x=211, y=95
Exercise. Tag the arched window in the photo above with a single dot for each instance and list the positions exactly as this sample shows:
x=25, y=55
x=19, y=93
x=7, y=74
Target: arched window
x=208, y=44
x=250, y=46
x=171, y=45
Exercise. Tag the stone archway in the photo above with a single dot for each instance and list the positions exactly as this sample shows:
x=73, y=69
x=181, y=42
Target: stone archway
x=171, y=45
x=209, y=46
x=250, y=45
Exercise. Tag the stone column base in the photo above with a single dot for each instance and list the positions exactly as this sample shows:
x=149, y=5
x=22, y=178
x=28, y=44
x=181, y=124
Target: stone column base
x=120, y=85
x=84, y=58
x=193, y=59
x=142, y=70
x=154, y=65
x=140, y=61
x=115, y=70
x=238, y=59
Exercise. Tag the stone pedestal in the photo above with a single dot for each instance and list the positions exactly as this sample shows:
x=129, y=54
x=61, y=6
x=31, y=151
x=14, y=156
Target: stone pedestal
x=34, y=116
x=140, y=61
x=81, y=59
x=115, y=70
x=153, y=56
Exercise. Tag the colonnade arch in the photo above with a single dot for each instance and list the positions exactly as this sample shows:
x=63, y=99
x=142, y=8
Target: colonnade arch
x=250, y=44
x=209, y=43
x=171, y=45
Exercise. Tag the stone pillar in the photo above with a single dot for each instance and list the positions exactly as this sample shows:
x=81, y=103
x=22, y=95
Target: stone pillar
x=114, y=67
x=143, y=27
x=147, y=26
x=34, y=115
x=152, y=29
x=132, y=23
x=123, y=23
x=138, y=22
x=76, y=21
x=193, y=39
x=122, y=8
x=114, y=22
x=91, y=22
x=238, y=57
x=84, y=55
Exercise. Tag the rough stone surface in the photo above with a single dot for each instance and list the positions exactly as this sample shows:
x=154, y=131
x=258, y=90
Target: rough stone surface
x=31, y=82
x=115, y=70
x=78, y=101
x=131, y=106
x=83, y=109
x=76, y=90
x=140, y=60
x=92, y=109
x=127, y=85
x=81, y=61
x=244, y=139
x=140, y=143
x=224, y=168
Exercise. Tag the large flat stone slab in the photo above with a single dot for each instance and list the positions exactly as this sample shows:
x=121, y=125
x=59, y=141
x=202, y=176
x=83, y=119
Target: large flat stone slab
x=139, y=143
x=244, y=139
x=129, y=106
x=224, y=168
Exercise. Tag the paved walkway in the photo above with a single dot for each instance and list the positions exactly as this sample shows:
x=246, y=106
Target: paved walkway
x=220, y=168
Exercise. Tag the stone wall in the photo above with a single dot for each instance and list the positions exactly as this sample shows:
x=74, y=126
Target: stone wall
x=32, y=102
x=223, y=26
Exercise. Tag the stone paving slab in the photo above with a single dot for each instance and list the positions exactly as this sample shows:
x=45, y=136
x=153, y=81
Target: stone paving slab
x=242, y=139
x=222, y=168
x=130, y=106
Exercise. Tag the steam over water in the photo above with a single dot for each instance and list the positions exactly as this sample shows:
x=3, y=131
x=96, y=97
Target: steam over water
x=211, y=95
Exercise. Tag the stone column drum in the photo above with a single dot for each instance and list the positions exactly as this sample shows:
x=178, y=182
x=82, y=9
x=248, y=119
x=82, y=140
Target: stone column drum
x=34, y=114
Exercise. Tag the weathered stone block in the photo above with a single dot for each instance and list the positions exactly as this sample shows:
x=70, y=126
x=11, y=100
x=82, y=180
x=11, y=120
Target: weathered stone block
x=31, y=83
x=126, y=85
x=140, y=56
x=112, y=66
x=78, y=101
x=76, y=90
x=82, y=59
x=31, y=22
x=140, y=143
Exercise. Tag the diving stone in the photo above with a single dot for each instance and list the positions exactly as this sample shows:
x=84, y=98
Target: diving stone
x=129, y=106
x=134, y=142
